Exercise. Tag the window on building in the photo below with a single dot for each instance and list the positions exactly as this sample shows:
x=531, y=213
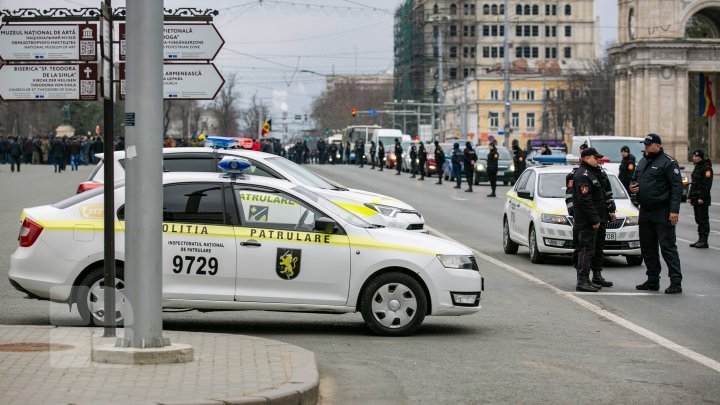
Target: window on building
x=550, y=31
x=530, y=120
x=472, y=30
x=466, y=52
x=515, y=120
x=502, y=52
x=486, y=9
x=453, y=30
x=472, y=72
x=453, y=52
x=535, y=10
x=466, y=72
x=435, y=31
x=535, y=52
x=494, y=30
x=472, y=9
x=466, y=30
x=502, y=9
x=518, y=9
x=531, y=95
x=568, y=31
x=550, y=53
x=466, y=9
x=515, y=95
x=518, y=52
x=494, y=52
x=494, y=119
x=518, y=30
x=526, y=30
x=550, y=9
x=568, y=10
x=436, y=10
x=436, y=53
x=453, y=73
x=568, y=52
x=494, y=9
x=526, y=9
x=472, y=51
x=486, y=31
x=453, y=9
x=535, y=29
x=486, y=51
x=502, y=30
x=494, y=95
x=526, y=52
x=561, y=94
x=548, y=94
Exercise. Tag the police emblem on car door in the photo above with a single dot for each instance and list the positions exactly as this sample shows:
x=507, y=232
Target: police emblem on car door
x=287, y=265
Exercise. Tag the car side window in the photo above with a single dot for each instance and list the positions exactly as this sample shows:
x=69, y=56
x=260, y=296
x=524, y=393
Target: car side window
x=530, y=186
x=259, y=169
x=522, y=181
x=195, y=203
x=266, y=208
x=202, y=164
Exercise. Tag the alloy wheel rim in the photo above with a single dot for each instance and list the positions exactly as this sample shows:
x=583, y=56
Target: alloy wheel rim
x=394, y=305
x=96, y=300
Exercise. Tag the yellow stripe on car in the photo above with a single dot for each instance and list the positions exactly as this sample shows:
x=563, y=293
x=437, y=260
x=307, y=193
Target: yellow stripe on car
x=356, y=208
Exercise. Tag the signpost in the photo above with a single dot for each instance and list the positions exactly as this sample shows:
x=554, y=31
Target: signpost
x=185, y=41
x=48, y=82
x=37, y=42
x=185, y=81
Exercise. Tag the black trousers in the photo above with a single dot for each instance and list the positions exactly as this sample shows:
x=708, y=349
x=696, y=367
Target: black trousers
x=469, y=175
x=702, y=217
x=421, y=168
x=15, y=160
x=457, y=171
x=381, y=162
x=588, y=246
x=655, y=229
x=492, y=176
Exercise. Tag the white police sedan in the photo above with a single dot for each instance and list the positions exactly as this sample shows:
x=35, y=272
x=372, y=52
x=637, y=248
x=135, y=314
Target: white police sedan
x=374, y=208
x=251, y=243
x=535, y=216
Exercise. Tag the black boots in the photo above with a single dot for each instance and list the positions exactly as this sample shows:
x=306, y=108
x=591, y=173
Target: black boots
x=673, y=289
x=492, y=194
x=649, y=286
x=701, y=243
x=583, y=284
x=599, y=280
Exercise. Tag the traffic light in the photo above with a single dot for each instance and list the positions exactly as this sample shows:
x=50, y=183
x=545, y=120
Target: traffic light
x=354, y=112
x=327, y=132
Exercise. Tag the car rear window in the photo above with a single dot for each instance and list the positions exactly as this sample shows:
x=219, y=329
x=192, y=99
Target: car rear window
x=200, y=164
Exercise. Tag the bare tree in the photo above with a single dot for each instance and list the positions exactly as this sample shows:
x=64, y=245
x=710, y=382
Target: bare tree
x=252, y=116
x=331, y=109
x=167, y=109
x=226, y=108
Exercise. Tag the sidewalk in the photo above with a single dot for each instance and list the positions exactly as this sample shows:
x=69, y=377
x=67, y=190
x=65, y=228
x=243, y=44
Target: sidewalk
x=227, y=369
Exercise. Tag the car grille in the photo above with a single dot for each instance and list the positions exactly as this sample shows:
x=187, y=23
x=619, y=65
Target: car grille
x=415, y=227
x=609, y=245
x=616, y=224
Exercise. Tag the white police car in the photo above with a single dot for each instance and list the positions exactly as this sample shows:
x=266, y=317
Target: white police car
x=251, y=243
x=375, y=208
x=535, y=216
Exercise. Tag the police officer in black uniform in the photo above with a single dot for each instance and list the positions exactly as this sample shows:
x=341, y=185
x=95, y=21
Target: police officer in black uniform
x=699, y=196
x=590, y=216
x=381, y=155
x=518, y=160
x=627, y=167
x=373, y=150
x=413, y=160
x=492, y=167
x=439, y=161
x=360, y=152
x=469, y=159
x=657, y=185
x=398, y=156
x=422, y=160
x=457, y=160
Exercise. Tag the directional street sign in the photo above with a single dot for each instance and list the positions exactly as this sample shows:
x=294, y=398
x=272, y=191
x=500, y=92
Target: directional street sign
x=372, y=112
x=36, y=42
x=185, y=41
x=49, y=82
x=185, y=81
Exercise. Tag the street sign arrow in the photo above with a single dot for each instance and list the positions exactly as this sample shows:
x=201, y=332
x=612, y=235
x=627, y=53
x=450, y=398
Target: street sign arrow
x=185, y=81
x=37, y=42
x=185, y=41
x=49, y=82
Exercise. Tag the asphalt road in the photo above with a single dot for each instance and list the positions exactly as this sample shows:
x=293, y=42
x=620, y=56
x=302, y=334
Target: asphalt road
x=534, y=341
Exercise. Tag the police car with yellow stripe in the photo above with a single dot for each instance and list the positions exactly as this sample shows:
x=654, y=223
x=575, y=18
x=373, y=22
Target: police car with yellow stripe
x=536, y=216
x=249, y=242
x=375, y=208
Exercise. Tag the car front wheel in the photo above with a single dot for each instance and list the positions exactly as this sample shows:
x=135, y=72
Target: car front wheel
x=535, y=255
x=393, y=304
x=90, y=297
x=509, y=247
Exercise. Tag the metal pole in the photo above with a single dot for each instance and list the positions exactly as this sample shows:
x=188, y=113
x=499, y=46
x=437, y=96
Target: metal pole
x=441, y=91
x=463, y=121
x=432, y=120
x=144, y=126
x=404, y=119
x=109, y=181
x=506, y=73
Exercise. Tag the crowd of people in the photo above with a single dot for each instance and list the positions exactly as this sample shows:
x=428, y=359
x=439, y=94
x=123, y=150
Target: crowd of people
x=58, y=152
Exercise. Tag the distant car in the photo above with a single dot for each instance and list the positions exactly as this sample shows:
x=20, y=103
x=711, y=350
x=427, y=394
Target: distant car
x=249, y=243
x=535, y=216
x=431, y=166
x=506, y=168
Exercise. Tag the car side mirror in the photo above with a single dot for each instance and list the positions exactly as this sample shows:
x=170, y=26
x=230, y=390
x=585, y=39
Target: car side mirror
x=325, y=225
x=525, y=194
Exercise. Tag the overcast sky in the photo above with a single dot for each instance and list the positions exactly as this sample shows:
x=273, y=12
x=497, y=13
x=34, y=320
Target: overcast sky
x=268, y=45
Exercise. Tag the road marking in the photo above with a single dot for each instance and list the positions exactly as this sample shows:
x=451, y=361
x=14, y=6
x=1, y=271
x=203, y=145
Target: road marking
x=669, y=344
x=690, y=241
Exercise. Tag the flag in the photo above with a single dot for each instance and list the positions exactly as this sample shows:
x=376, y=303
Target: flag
x=707, y=108
x=266, y=127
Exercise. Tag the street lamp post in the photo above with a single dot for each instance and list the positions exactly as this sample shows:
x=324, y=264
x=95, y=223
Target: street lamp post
x=439, y=21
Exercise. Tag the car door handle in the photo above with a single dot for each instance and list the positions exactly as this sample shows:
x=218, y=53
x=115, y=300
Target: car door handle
x=251, y=242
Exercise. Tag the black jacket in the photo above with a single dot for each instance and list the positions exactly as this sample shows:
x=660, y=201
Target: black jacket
x=702, y=180
x=469, y=159
x=658, y=176
x=15, y=149
x=519, y=161
x=439, y=157
x=492, y=160
x=381, y=151
x=422, y=155
x=627, y=168
x=591, y=202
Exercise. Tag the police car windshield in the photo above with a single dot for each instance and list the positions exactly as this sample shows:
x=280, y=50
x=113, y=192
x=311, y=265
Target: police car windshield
x=482, y=152
x=610, y=148
x=552, y=185
x=329, y=206
x=304, y=176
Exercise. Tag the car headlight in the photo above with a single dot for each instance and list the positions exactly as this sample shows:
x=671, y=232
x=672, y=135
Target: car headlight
x=555, y=219
x=386, y=210
x=512, y=167
x=458, y=262
x=479, y=167
x=632, y=221
x=685, y=181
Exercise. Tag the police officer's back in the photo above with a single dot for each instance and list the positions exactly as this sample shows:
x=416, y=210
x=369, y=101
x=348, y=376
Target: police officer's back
x=699, y=197
x=439, y=161
x=381, y=155
x=469, y=159
x=518, y=161
x=413, y=159
x=398, y=156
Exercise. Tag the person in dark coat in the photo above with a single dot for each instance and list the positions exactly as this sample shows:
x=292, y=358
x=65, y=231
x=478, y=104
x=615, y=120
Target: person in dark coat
x=699, y=196
x=381, y=155
x=457, y=160
x=413, y=160
x=469, y=159
x=398, y=156
x=56, y=154
x=16, y=154
x=373, y=151
x=492, y=167
x=439, y=161
x=422, y=160
x=627, y=167
x=518, y=160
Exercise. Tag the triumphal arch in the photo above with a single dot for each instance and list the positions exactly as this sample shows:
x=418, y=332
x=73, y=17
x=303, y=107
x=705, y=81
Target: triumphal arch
x=663, y=48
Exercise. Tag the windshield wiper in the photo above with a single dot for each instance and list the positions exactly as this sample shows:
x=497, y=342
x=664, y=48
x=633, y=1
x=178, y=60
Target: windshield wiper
x=337, y=188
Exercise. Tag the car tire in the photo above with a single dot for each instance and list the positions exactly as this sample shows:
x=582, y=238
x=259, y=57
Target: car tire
x=509, y=247
x=634, y=260
x=535, y=255
x=89, y=297
x=393, y=304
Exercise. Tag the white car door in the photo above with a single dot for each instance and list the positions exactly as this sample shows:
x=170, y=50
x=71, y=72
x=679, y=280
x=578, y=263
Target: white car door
x=523, y=216
x=199, y=259
x=281, y=258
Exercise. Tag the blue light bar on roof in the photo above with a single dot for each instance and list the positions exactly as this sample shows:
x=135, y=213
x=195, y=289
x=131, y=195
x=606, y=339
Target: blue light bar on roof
x=234, y=165
x=551, y=159
x=220, y=142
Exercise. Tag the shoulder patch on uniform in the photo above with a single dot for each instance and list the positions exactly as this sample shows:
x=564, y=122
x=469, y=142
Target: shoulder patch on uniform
x=570, y=183
x=584, y=189
x=630, y=166
x=708, y=173
x=676, y=170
